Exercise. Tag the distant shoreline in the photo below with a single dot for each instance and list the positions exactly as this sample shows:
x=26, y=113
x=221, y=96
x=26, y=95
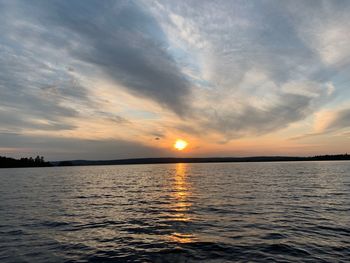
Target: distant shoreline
x=169, y=160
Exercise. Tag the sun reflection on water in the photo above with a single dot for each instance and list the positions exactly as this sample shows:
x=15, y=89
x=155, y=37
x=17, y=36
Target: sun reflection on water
x=181, y=194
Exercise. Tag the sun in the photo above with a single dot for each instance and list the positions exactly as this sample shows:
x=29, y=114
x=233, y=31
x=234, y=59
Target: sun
x=180, y=144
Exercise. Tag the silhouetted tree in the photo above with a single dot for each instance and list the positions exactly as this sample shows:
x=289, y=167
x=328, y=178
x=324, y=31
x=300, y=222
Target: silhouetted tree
x=6, y=162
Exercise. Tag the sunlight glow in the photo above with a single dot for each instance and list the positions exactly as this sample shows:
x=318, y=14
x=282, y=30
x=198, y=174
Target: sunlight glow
x=180, y=144
x=180, y=207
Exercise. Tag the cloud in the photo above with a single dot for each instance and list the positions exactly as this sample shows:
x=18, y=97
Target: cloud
x=335, y=120
x=328, y=122
x=113, y=117
x=127, y=44
x=324, y=27
x=34, y=89
x=44, y=46
x=68, y=148
x=257, y=73
x=15, y=121
x=251, y=120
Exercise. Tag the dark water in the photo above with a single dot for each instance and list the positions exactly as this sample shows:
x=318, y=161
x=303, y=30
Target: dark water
x=228, y=212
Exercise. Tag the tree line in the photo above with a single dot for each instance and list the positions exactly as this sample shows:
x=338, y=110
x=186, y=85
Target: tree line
x=6, y=162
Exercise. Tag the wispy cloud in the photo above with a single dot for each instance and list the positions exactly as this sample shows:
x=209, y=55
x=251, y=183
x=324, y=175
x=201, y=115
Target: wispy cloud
x=56, y=148
x=328, y=121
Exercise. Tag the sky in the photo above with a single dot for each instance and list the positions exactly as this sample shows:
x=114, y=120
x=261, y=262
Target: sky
x=125, y=79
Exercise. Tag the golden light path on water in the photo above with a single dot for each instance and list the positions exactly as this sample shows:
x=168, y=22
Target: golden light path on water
x=182, y=204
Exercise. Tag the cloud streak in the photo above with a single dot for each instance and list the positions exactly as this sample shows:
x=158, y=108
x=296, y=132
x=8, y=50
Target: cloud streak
x=71, y=148
x=128, y=45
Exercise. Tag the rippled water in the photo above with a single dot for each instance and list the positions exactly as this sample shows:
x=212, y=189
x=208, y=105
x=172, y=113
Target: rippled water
x=261, y=212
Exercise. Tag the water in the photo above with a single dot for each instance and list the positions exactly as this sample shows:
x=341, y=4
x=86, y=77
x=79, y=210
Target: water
x=226, y=212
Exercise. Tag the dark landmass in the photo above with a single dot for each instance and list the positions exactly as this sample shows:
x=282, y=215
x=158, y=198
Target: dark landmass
x=204, y=160
x=38, y=161
x=6, y=162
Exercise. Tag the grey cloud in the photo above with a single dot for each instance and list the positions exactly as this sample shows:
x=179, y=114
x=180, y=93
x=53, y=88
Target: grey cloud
x=341, y=121
x=126, y=43
x=21, y=108
x=14, y=120
x=255, y=121
x=22, y=101
x=263, y=36
x=54, y=148
x=66, y=89
x=112, y=117
x=245, y=35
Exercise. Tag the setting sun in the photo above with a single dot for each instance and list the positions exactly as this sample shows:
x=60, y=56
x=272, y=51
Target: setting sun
x=180, y=144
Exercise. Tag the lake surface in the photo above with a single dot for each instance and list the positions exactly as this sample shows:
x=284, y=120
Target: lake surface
x=224, y=212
